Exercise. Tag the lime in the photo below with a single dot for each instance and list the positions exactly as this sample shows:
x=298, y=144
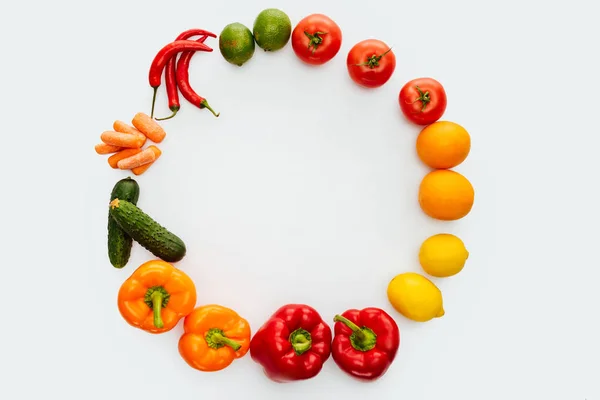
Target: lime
x=272, y=29
x=236, y=44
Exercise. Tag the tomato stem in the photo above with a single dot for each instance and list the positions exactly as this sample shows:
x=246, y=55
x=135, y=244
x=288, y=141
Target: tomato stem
x=314, y=40
x=425, y=98
x=373, y=61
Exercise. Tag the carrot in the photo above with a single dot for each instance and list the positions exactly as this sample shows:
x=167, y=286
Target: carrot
x=149, y=127
x=122, y=139
x=103, y=148
x=143, y=168
x=143, y=157
x=120, y=126
x=115, y=158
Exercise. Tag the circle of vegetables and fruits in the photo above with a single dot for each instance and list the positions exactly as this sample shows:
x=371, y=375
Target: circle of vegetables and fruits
x=295, y=342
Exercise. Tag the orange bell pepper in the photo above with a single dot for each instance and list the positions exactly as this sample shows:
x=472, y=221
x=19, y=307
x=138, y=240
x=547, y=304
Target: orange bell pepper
x=156, y=296
x=214, y=336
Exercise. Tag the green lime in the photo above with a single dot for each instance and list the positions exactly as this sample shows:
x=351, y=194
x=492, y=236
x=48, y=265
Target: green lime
x=272, y=29
x=236, y=44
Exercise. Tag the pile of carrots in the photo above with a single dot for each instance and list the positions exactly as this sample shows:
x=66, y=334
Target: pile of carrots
x=126, y=144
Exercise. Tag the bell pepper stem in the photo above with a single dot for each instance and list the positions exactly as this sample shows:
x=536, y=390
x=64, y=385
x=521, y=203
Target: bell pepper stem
x=301, y=341
x=362, y=339
x=215, y=339
x=157, y=300
x=221, y=339
x=355, y=328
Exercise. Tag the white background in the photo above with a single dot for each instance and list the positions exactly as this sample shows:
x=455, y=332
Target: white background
x=305, y=190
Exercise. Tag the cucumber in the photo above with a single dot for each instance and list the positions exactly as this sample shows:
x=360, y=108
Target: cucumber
x=146, y=231
x=119, y=242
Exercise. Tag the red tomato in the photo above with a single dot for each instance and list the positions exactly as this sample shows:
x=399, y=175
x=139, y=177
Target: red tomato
x=371, y=63
x=423, y=100
x=316, y=39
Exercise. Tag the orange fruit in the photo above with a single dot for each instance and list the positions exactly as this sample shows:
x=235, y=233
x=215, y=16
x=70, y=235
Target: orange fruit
x=446, y=195
x=443, y=145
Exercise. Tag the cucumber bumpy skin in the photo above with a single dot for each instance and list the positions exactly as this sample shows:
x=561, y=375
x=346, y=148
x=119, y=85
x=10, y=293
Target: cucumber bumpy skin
x=146, y=231
x=119, y=242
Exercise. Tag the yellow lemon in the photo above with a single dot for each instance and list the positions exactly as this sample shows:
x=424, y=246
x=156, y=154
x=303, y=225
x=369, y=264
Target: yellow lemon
x=415, y=297
x=443, y=255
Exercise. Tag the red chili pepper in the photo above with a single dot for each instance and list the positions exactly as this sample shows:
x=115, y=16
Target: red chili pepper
x=183, y=83
x=170, y=79
x=293, y=344
x=366, y=342
x=194, y=32
x=163, y=56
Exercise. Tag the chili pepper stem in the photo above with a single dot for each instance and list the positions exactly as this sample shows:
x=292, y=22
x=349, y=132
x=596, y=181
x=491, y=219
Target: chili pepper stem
x=153, y=101
x=157, y=300
x=215, y=338
x=362, y=339
x=175, y=110
x=204, y=104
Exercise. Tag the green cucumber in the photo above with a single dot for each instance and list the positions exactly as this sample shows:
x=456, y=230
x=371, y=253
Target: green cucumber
x=119, y=242
x=146, y=231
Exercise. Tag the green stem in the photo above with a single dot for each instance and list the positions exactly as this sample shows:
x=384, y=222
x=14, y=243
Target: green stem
x=157, y=299
x=153, y=101
x=373, y=61
x=355, y=328
x=204, y=104
x=302, y=344
x=301, y=341
x=314, y=40
x=170, y=116
x=425, y=98
x=215, y=339
x=362, y=339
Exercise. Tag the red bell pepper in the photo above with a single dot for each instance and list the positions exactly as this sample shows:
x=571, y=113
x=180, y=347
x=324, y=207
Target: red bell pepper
x=366, y=342
x=293, y=344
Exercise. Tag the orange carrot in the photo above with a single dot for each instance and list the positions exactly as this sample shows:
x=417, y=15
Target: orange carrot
x=143, y=157
x=143, y=168
x=103, y=148
x=149, y=127
x=122, y=139
x=120, y=126
x=115, y=158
